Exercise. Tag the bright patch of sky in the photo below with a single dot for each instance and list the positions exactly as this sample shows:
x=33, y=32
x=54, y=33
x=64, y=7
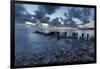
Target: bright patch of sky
x=76, y=20
x=59, y=13
x=31, y=8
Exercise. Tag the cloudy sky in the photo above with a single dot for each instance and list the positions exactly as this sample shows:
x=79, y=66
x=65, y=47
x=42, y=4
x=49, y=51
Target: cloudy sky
x=58, y=13
x=76, y=14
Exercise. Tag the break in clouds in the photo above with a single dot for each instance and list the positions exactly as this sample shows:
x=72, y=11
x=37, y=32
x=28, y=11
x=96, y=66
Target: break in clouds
x=54, y=14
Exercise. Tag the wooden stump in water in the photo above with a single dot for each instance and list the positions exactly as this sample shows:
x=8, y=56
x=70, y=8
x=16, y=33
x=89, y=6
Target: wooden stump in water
x=87, y=37
x=57, y=35
x=92, y=38
x=74, y=35
x=82, y=36
x=64, y=34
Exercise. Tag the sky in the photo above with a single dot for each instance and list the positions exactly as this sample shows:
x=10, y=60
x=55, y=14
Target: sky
x=31, y=8
x=59, y=12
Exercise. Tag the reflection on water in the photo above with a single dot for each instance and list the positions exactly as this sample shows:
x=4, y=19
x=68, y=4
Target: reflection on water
x=31, y=47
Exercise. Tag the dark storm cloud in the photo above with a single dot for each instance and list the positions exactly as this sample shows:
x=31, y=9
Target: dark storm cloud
x=82, y=14
x=49, y=9
x=21, y=14
x=40, y=13
x=55, y=21
x=43, y=10
x=86, y=14
x=46, y=19
x=19, y=9
x=74, y=12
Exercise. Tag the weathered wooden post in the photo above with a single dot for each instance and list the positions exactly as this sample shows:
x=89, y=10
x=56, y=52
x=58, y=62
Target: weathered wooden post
x=76, y=37
x=65, y=33
x=92, y=38
x=52, y=34
x=62, y=35
x=58, y=37
x=82, y=36
x=87, y=37
x=72, y=35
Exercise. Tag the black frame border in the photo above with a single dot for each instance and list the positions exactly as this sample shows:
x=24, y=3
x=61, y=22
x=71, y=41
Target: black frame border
x=12, y=32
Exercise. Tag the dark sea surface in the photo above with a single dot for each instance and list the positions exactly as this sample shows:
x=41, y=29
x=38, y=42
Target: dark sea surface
x=32, y=48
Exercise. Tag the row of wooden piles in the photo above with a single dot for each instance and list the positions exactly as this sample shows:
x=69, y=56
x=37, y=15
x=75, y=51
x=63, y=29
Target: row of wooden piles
x=73, y=35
